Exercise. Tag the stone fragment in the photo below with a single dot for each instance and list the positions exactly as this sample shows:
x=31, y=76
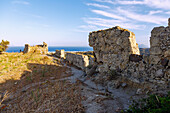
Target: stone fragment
x=153, y=59
x=139, y=91
x=135, y=58
x=155, y=51
x=164, y=61
x=167, y=53
x=60, y=53
x=154, y=41
x=91, y=71
x=123, y=85
x=159, y=73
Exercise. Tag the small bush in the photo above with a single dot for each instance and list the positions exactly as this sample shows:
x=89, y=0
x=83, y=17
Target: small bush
x=3, y=45
x=152, y=104
x=112, y=74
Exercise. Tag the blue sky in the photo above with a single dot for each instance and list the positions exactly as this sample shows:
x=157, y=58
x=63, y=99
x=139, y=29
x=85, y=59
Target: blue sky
x=68, y=22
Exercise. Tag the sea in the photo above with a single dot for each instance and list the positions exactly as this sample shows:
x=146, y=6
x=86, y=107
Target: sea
x=51, y=49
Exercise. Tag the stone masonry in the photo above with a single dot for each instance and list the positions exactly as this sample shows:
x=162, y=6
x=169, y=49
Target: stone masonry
x=116, y=49
x=41, y=49
x=60, y=53
x=81, y=61
x=113, y=46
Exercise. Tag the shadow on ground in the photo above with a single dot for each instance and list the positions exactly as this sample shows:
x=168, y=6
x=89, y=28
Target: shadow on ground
x=41, y=90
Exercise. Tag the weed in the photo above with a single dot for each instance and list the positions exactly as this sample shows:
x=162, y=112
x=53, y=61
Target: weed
x=112, y=74
x=152, y=104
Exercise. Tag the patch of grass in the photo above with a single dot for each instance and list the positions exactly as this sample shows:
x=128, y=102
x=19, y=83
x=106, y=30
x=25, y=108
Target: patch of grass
x=152, y=104
x=16, y=63
x=36, y=93
x=112, y=74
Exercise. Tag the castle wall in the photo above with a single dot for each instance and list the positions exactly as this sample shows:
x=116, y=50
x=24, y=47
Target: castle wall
x=116, y=49
x=60, y=53
x=81, y=61
x=39, y=49
x=113, y=46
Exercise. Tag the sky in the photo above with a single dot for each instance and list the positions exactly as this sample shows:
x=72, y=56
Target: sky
x=68, y=22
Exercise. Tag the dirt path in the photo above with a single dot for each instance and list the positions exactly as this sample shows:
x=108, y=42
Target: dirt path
x=100, y=99
x=63, y=88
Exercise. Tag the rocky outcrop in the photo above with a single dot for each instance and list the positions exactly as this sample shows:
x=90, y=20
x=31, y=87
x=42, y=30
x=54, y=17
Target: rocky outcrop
x=40, y=49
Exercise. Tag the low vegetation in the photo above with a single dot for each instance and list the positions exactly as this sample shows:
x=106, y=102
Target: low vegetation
x=3, y=45
x=35, y=83
x=152, y=104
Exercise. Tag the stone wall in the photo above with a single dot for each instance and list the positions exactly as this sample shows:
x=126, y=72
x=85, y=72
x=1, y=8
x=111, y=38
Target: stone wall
x=160, y=45
x=60, y=53
x=40, y=49
x=113, y=46
x=116, y=49
x=81, y=61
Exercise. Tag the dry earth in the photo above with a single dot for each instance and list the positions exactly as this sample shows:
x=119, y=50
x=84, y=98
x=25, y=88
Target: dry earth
x=45, y=84
x=35, y=85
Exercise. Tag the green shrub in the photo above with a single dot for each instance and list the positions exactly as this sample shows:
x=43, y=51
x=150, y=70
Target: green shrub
x=152, y=104
x=112, y=74
x=3, y=45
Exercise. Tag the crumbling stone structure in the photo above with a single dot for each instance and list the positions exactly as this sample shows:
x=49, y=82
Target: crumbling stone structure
x=113, y=46
x=81, y=61
x=41, y=49
x=116, y=49
x=60, y=53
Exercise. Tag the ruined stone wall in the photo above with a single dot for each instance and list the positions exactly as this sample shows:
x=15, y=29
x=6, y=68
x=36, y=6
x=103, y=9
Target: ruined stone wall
x=60, y=53
x=81, y=61
x=160, y=45
x=113, y=46
x=116, y=49
x=40, y=49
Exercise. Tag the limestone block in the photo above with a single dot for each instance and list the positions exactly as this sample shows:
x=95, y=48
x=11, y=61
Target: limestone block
x=91, y=61
x=154, y=41
x=159, y=73
x=153, y=59
x=157, y=30
x=167, y=53
x=155, y=51
x=60, y=53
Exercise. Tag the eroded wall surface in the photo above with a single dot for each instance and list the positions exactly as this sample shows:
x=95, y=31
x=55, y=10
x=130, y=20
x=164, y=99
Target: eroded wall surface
x=40, y=49
x=116, y=49
x=113, y=46
x=81, y=61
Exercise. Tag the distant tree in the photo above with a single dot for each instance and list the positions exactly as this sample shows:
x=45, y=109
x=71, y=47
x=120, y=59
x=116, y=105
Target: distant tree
x=4, y=45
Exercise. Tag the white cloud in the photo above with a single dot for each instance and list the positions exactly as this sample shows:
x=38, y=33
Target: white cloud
x=107, y=14
x=155, y=12
x=168, y=12
x=163, y=4
x=107, y=23
x=142, y=17
x=107, y=1
x=21, y=2
x=134, y=2
x=88, y=27
x=123, y=16
x=98, y=5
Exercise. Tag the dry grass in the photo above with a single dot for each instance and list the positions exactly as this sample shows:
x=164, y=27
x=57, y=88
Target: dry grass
x=35, y=85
